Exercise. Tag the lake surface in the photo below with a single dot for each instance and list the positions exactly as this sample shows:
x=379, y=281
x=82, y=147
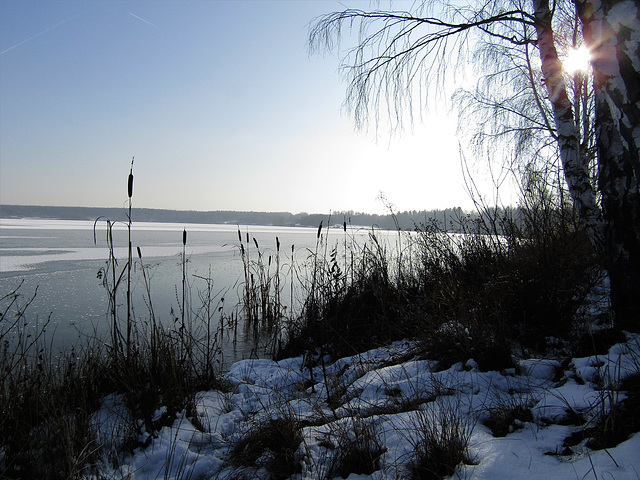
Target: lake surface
x=59, y=260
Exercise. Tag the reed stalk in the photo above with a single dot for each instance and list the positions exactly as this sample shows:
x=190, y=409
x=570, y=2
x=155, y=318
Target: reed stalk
x=184, y=282
x=129, y=261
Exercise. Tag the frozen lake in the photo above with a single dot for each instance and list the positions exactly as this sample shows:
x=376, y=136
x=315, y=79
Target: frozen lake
x=60, y=260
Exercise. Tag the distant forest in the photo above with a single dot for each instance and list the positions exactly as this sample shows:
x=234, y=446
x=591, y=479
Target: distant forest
x=448, y=218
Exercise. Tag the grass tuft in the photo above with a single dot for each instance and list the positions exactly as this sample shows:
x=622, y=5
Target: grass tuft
x=357, y=445
x=509, y=415
x=441, y=442
x=271, y=444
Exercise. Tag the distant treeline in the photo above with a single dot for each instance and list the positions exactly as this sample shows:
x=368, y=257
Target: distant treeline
x=448, y=218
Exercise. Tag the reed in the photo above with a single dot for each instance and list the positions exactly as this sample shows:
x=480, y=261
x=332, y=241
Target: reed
x=111, y=281
x=207, y=344
x=129, y=261
x=261, y=301
x=183, y=307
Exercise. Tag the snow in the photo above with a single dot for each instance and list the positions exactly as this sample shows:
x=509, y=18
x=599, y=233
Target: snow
x=395, y=392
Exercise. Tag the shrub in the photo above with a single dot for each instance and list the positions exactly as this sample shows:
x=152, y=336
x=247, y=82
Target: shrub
x=502, y=282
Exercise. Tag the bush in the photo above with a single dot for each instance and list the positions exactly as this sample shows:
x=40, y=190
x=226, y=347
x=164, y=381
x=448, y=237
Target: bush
x=500, y=284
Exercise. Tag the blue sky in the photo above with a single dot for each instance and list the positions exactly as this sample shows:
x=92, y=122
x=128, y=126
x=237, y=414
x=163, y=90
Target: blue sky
x=219, y=102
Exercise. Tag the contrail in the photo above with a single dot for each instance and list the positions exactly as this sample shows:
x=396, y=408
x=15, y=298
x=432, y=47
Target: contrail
x=145, y=21
x=38, y=34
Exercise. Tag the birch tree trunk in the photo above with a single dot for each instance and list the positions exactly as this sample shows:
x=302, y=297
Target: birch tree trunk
x=611, y=31
x=574, y=164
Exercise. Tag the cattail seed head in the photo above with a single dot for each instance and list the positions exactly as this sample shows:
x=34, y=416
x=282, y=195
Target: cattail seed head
x=130, y=180
x=184, y=236
x=130, y=185
x=319, y=229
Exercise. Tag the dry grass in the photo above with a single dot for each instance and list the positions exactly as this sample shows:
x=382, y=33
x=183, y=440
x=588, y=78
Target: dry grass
x=440, y=443
x=357, y=447
x=270, y=444
x=509, y=414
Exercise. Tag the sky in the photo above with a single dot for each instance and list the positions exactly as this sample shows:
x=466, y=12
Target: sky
x=219, y=102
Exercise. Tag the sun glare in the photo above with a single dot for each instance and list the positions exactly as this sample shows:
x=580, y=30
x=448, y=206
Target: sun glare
x=577, y=60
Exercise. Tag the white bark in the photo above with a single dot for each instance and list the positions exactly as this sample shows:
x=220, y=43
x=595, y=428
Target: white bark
x=575, y=166
x=611, y=30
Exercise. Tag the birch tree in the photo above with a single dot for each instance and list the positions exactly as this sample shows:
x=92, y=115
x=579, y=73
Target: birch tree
x=612, y=33
x=403, y=57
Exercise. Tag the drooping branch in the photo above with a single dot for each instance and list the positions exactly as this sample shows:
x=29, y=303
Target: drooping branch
x=406, y=52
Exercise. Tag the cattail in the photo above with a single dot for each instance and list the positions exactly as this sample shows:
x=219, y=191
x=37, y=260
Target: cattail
x=130, y=185
x=344, y=225
x=184, y=236
x=239, y=235
x=277, y=244
x=319, y=229
x=256, y=242
x=139, y=253
x=130, y=181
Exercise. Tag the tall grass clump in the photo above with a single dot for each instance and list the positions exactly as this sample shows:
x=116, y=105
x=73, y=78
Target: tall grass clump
x=614, y=415
x=46, y=403
x=271, y=444
x=261, y=301
x=440, y=440
x=155, y=365
x=357, y=447
x=48, y=399
x=356, y=295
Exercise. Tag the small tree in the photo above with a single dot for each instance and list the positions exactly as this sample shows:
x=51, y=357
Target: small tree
x=405, y=55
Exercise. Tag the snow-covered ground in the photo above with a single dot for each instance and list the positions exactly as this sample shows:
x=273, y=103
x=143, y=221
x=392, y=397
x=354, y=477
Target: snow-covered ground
x=397, y=396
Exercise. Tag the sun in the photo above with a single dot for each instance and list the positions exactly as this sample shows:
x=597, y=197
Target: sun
x=577, y=60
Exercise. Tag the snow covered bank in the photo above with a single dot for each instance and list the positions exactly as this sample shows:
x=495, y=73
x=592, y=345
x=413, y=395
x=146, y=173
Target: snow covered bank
x=388, y=398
